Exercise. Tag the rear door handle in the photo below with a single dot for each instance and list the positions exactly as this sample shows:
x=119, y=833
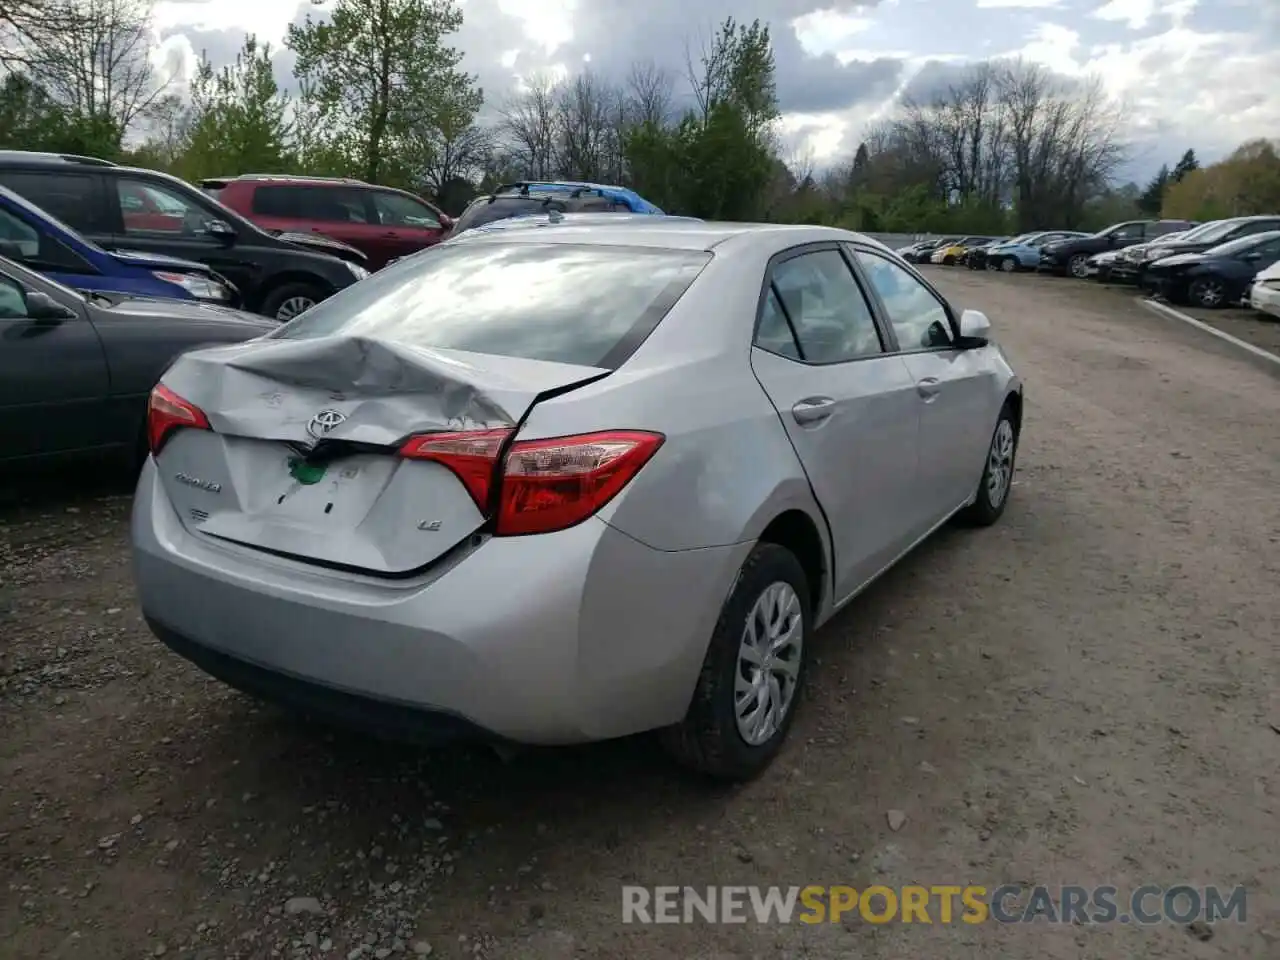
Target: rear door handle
x=813, y=410
x=928, y=387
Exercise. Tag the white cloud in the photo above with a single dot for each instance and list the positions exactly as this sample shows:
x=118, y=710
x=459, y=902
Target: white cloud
x=1018, y=4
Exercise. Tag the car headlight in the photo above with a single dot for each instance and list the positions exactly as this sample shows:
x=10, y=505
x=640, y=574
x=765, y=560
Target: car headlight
x=1157, y=253
x=200, y=287
x=357, y=271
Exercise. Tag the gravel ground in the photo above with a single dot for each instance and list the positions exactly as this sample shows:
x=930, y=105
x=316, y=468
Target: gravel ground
x=1086, y=693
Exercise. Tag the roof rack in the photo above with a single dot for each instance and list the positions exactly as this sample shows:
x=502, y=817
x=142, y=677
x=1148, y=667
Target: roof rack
x=57, y=157
x=290, y=176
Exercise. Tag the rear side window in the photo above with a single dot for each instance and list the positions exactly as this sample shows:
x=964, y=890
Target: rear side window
x=71, y=197
x=330, y=204
x=569, y=303
x=34, y=248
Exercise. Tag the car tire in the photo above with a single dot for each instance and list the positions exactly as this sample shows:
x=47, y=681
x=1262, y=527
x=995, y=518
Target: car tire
x=948, y=261
x=710, y=740
x=1009, y=265
x=1208, y=293
x=1002, y=454
x=286, y=301
x=1078, y=266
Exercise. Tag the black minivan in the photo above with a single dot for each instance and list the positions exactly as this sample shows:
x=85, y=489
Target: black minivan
x=125, y=208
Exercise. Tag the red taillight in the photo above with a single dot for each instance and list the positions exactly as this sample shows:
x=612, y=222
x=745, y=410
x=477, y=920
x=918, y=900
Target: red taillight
x=166, y=412
x=472, y=455
x=545, y=485
x=552, y=484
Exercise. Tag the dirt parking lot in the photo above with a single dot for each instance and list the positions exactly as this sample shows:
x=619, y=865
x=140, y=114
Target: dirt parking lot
x=1086, y=693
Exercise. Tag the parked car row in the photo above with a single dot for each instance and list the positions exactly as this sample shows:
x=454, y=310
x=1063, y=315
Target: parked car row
x=274, y=245
x=1207, y=265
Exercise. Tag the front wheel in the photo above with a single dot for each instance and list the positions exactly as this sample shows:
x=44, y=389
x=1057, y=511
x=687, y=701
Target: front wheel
x=948, y=261
x=1008, y=265
x=997, y=475
x=1207, y=292
x=749, y=688
x=1079, y=266
x=290, y=299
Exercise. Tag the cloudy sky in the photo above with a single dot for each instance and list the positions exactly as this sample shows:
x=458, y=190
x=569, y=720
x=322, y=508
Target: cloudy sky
x=1191, y=73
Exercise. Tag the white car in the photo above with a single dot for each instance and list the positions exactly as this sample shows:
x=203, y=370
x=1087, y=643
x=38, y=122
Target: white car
x=1264, y=293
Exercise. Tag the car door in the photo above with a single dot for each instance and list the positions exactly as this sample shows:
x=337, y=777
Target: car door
x=409, y=225
x=53, y=378
x=182, y=231
x=953, y=387
x=848, y=405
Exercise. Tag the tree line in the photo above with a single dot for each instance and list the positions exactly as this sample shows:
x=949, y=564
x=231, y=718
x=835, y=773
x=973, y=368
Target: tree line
x=1003, y=147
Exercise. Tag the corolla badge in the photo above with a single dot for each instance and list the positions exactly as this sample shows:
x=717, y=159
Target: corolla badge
x=323, y=422
x=212, y=486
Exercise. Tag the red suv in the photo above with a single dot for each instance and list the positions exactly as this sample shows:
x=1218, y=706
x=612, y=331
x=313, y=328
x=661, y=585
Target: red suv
x=381, y=222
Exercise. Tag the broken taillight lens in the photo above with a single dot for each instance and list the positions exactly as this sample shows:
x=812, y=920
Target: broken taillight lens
x=167, y=412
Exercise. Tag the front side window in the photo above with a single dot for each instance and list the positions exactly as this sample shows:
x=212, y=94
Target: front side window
x=918, y=317
x=149, y=208
x=567, y=303
x=828, y=312
x=397, y=210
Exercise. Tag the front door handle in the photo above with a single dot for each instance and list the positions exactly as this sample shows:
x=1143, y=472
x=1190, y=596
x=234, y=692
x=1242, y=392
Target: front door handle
x=813, y=410
x=928, y=387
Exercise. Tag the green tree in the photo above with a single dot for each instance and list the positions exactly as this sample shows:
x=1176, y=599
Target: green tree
x=30, y=119
x=380, y=69
x=1152, y=198
x=240, y=119
x=1185, y=166
x=718, y=160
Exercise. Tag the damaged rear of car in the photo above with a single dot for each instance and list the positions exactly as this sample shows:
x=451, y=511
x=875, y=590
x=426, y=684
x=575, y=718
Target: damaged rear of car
x=346, y=513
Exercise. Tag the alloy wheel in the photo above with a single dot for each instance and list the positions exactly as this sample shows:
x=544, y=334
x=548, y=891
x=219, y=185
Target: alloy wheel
x=769, y=656
x=1008, y=265
x=1209, y=293
x=292, y=307
x=1000, y=464
x=1080, y=266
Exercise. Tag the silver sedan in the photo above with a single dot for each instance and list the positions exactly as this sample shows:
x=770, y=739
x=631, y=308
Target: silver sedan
x=569, y=482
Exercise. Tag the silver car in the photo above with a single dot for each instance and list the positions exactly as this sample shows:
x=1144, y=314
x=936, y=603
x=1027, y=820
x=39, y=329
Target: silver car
x=570, y=482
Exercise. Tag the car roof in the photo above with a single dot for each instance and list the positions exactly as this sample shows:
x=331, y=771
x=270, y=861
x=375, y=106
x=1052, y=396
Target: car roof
x=660, y=232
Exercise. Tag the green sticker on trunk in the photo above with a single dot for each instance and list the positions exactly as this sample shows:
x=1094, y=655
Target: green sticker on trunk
x=306, y=473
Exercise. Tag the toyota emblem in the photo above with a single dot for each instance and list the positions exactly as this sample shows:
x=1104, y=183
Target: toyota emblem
x=323, y=422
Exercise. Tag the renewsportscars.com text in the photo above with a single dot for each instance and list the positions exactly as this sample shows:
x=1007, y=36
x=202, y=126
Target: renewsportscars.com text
x=945, y=904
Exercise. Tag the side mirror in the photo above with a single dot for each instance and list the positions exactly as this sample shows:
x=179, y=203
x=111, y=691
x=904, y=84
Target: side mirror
x=41, y=306
x=975, y=328
x=221, y=230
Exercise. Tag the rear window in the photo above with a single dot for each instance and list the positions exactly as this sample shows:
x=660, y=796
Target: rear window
x=568, y=303
x=482, y=211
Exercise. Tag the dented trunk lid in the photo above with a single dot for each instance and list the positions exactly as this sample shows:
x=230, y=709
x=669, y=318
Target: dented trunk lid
x=301, y=460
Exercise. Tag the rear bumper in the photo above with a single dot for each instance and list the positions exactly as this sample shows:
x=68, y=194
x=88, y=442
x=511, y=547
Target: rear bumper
x=580, y=635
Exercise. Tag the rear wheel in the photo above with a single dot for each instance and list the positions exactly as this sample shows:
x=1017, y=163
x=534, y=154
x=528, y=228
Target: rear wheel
x=288, y=300
x=749, y=688
x=997, y=475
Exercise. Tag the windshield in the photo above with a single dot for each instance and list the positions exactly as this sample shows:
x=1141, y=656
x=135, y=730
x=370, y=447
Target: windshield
x=1241, y=244
x=1213, y=232
x=1195, y=233
x=567, y=303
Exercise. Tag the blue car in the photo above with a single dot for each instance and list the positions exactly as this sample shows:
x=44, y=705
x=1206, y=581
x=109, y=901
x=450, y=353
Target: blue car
x=1023, y=252
x=620, y=195
x=46, y=245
